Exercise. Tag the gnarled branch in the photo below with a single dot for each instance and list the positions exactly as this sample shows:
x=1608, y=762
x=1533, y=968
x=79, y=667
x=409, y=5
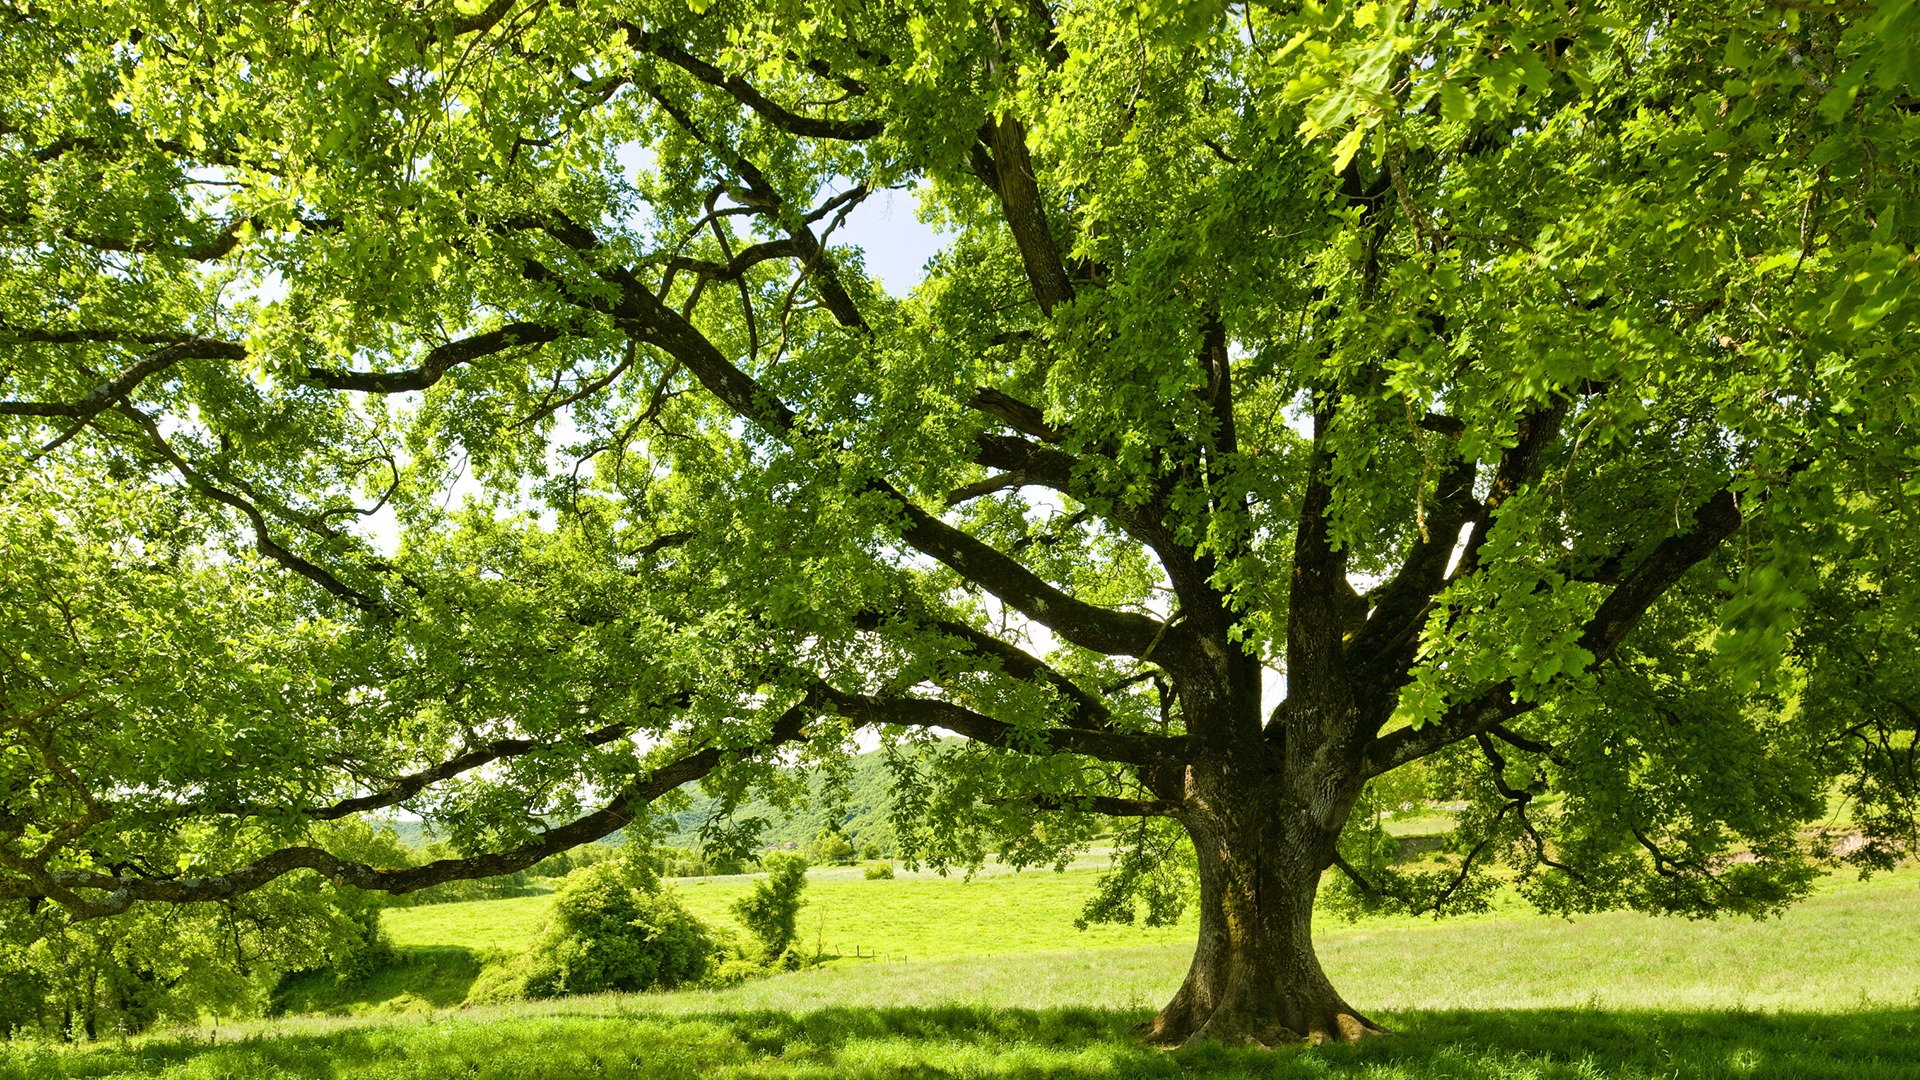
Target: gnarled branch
x=1111, y=806
x=438, y=361
x=123, y=890
x=402, y=788
x=747, y=94
x=1148, y=750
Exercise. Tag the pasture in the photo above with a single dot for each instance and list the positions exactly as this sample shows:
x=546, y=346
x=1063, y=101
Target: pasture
x=1829, y=990
x=912, y=916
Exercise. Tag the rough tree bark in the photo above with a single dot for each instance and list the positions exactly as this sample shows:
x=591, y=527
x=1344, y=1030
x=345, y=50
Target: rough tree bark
x=1265, y=807
x=1255, y=978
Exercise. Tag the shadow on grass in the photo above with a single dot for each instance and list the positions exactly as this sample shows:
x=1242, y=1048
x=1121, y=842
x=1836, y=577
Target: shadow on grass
x=618, y=1037
x=418, y=979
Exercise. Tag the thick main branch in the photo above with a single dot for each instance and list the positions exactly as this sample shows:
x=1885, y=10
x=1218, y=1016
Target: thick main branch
x=1148, y=750
x=124, y=890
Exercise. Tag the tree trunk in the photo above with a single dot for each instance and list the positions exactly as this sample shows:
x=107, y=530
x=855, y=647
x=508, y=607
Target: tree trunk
x=1255, y=978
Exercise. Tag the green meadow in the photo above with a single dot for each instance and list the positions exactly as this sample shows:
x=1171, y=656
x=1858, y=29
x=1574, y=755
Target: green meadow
x=912, y=916
x=994, y=982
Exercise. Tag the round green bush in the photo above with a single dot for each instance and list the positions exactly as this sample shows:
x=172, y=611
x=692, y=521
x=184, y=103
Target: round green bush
x=615, y=926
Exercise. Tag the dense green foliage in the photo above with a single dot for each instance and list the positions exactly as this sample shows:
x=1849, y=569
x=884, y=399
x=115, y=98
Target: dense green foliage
x=465, y=410
x=163, y=964
x=858, y=805
x=772, y=910
x=381, y=844
x=615, y=926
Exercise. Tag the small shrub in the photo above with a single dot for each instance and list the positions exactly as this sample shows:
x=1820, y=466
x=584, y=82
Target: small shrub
x=771, y=910
x=615, y=926
x=363, y=963
x=877, y=871
x=735, y=970
x=734, y=960
x=831, y=847
x=870, y=851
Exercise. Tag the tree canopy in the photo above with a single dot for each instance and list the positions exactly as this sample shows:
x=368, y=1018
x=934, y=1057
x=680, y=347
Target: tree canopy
x=467, y=409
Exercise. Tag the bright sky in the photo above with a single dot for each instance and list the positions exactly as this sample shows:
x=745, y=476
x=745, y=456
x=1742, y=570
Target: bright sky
x=897, y=244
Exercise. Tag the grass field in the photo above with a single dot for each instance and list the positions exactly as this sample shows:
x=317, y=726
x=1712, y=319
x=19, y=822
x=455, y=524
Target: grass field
x=913, y=916
x=1829, y=991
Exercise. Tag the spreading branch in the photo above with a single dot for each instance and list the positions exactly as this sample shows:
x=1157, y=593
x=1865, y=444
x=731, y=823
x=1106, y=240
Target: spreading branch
x=1015, y=413
x=1088, y=625
x=747, y=94
x=1618, y=614
x=122, y=890
x=1386, y=645
x=402, y=788
x=1519, y=800
x=1101, y=629
x=1519, y=466
x=438, y=361
x=1109, y=805
x=761, y=197
x=1088, y=710
x=1713, y=521
x=1148, y=519
x=263, y=537
x=1147, y=750
x=115, y=390
x=1025, y=212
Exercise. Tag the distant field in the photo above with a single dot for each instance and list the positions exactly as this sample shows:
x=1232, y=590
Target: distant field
x=911, y=916
x=1852, y=942
x=1831, y=991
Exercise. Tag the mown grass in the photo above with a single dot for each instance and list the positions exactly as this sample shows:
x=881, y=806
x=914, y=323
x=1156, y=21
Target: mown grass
x=1849, y=934
x=912, y=916
x=1830, y=990
x=1852, y=944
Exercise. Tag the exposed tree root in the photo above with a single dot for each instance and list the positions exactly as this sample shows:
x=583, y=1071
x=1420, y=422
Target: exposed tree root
x=1229, y=1027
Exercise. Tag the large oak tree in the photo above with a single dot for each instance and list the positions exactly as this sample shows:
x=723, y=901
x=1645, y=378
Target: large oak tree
x=469, y=410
